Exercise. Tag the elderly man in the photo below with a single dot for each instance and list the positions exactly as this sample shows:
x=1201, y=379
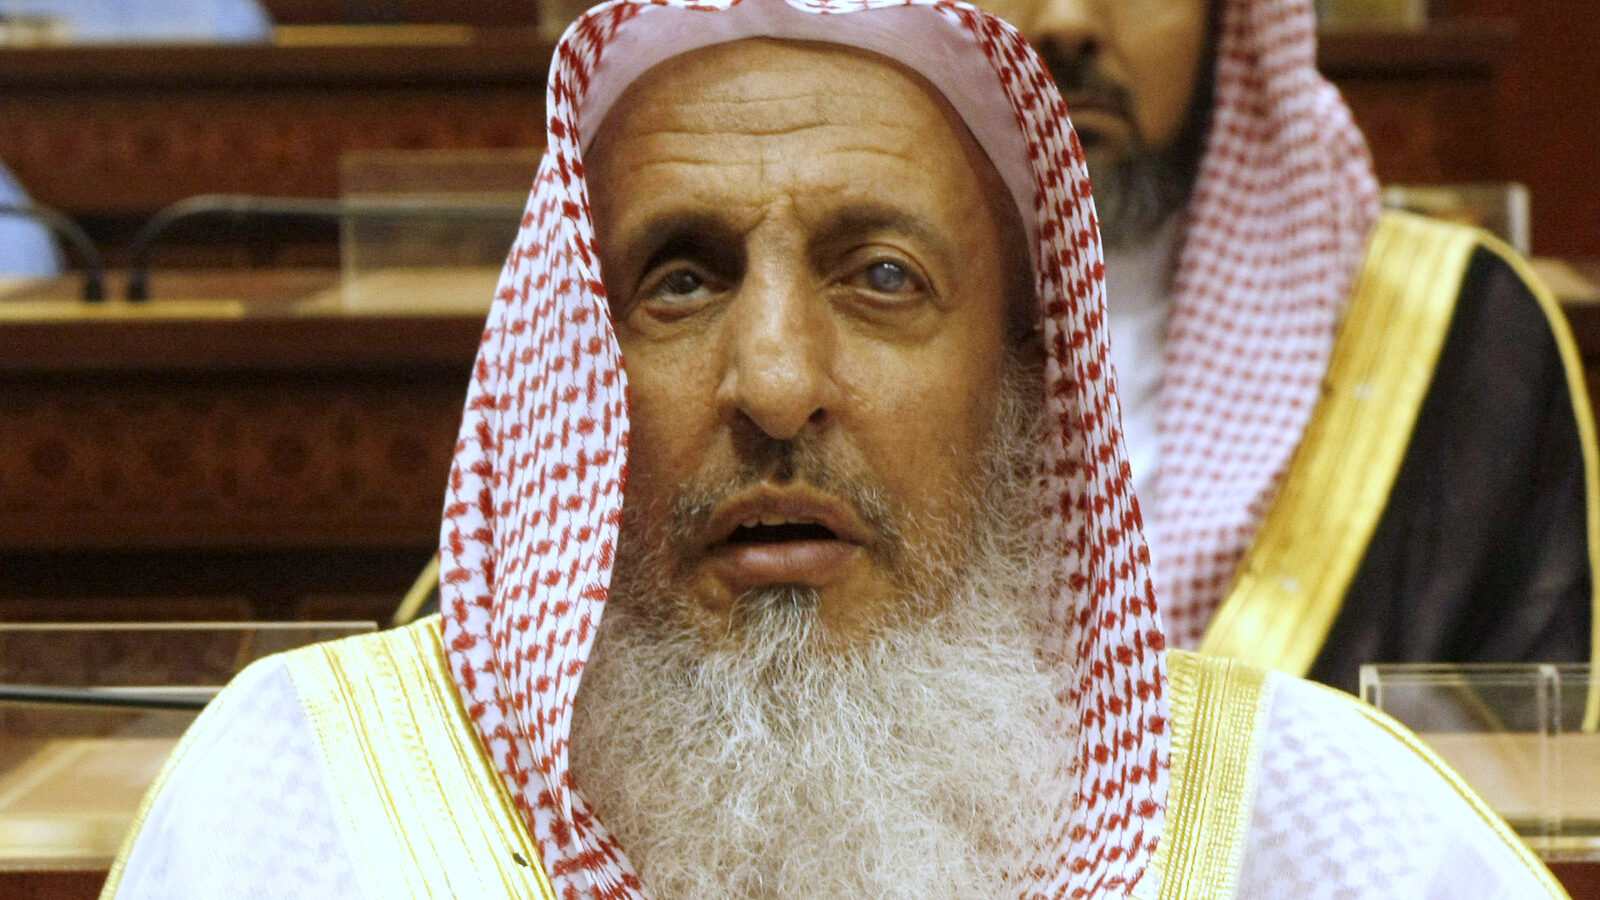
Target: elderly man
x=1357, y=438
x=790, y=549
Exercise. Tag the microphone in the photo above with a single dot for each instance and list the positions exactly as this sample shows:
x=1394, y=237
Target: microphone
x=94, y=271
x=239, y=208
x=194, y=698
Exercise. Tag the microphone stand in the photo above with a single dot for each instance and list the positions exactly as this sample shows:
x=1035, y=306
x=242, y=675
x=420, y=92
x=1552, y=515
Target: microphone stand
x=94, y=271
x=194, y=698
x=242, y=207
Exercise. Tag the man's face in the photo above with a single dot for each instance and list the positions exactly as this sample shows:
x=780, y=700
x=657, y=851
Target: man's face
x=807, y=274
x=1129, y=70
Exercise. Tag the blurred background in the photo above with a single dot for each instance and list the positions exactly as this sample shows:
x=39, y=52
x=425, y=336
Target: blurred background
x=247, y=246
x=268, y=435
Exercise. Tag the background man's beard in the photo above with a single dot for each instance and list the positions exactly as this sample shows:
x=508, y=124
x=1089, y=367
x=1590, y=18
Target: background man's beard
x=1135, y=190
x=1137, y=184
x=926, y=760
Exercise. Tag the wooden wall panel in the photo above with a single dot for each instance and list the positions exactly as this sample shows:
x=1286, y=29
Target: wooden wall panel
x=209, y=461
x=207, y=141
x=255, y=459
x=1546, y=112
x=467, y=12
x=1422, y=131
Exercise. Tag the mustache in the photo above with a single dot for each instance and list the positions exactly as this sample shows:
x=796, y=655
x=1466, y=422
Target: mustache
x=802, y=461
x=1082, y=84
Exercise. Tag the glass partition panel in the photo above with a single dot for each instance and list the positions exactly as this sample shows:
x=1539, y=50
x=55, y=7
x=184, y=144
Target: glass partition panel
x=428, y=230
x=1524, y=737
x=89, y=712
x=1501, y=208
x=556, y=15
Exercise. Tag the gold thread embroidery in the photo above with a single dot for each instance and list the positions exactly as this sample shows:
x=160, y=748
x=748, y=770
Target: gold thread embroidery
x=410, y=770
x=1292, y=583
x=1218, y=709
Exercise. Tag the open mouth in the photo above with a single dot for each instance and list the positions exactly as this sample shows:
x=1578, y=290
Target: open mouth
x=794, y=537
x=779, y=532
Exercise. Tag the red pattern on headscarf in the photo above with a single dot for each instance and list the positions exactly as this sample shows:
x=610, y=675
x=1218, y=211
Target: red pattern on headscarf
x=536, y=489
x=1278, y=224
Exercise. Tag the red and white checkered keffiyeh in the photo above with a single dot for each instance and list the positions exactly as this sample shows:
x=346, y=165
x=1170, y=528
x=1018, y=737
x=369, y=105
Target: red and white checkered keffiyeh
x=1278, y=224
x=536, y=489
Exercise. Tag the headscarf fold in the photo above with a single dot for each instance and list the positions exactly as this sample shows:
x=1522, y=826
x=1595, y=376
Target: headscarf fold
x=1278, y=223
x=536, y=489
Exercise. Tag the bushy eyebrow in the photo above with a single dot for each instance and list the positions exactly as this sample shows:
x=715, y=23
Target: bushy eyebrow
x=698, y=233
x=863, y=219
x=711, y=239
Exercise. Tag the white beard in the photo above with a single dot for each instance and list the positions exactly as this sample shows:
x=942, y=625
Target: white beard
x=770, y=762
x=921, y=765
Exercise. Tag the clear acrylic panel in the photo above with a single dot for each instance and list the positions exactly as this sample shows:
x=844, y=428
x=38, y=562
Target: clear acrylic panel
x=1523, y=736
x=556, y=15
x=1503, y=208
x=429, y=230
x=1370, y=14
x=89, y=712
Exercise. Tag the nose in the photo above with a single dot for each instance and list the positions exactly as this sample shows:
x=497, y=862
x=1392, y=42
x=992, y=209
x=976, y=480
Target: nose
x=1067, y=33
x=778, y=349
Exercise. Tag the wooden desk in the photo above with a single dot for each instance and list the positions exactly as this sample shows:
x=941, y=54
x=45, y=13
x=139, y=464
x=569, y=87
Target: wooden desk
x=67, y=797
x=110, y=134
x=70, y=801
x=243, y=441
x=1424, y=99
x=80, y=838
x=244, y=446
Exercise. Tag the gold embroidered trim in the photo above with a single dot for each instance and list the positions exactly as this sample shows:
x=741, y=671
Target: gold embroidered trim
x=1218, y=716
x=1292, y=583
x=1495, y=823
x=408, y=770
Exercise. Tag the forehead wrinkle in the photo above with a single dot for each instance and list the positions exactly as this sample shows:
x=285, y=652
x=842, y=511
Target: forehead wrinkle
x=745, y=104
x=674, y=122
x=832, y=161
x=762, y=135
x=833, y=166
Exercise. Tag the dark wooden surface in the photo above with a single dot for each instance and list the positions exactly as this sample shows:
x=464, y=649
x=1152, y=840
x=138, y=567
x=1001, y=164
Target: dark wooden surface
x=1581, y=879
x=52, y=884
x=262, y=328
x=1547, y=108
x=474, y=12
x=110, y=134
x=1424, y=99
x=261, y=461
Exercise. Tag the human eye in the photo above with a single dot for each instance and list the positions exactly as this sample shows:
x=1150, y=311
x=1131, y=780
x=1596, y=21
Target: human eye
x=888, y=279
x=675, y=287
x=678, y=283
